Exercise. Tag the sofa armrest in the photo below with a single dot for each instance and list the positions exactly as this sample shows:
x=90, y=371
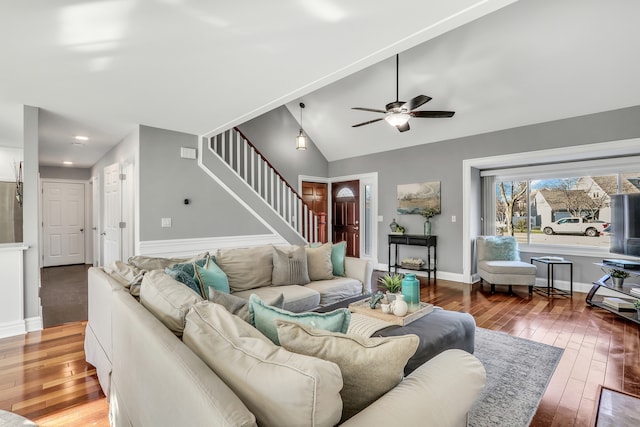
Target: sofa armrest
x=359, y=269
x=439, y=393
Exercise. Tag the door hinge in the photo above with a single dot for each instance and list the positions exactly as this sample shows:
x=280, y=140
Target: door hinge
x=122, y=224
x=123, y=177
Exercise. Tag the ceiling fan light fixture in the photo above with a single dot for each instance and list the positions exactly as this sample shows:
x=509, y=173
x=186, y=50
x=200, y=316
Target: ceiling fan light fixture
x=397, y=119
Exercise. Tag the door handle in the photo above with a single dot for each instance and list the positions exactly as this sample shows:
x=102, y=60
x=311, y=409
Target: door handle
x=82, y=230
x=356, y=228
x=103, y=233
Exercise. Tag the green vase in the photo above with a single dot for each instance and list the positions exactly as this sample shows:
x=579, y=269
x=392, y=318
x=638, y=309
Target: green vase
x=411, y=291
x=427, y=228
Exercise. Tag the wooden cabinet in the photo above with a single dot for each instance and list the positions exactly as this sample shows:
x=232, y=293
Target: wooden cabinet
x=429, y=242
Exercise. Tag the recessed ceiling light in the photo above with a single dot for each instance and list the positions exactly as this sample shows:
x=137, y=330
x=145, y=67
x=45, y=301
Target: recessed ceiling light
x=81, y=138
x=66, y=162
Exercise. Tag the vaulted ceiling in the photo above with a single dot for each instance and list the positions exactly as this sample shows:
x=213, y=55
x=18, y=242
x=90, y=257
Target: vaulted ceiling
x=102, y=67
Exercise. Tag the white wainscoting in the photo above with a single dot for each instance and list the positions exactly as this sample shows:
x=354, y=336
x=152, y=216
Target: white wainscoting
x=12, y=320
x=189, y=247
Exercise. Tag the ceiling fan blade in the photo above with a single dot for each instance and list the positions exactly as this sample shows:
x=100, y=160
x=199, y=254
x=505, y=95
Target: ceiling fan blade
x=403, y=128
x=414, y=103
x=373, y=110
x=366, y=123
x=432, y=114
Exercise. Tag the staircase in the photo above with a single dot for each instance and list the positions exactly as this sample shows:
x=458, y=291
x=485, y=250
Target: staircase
x=247, y=175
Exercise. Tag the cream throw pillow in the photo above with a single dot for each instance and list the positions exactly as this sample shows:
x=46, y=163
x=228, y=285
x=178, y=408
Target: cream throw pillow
x=319, y=262
x=246, y=268
x=370, y=366
x=167, y=299
x=282, y=389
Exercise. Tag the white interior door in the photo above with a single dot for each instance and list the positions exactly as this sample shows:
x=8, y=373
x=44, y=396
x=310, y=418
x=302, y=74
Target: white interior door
x=95, y=228
x=112, y=214
x=63, y=223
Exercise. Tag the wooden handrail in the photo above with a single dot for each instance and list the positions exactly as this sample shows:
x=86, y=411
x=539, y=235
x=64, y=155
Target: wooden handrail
x=268, y=162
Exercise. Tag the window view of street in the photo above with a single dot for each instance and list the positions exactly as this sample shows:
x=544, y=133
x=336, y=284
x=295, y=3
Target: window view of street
x=572, y=211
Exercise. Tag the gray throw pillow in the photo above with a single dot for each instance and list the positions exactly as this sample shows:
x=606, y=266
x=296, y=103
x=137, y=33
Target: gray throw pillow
x=289, y=266
x=240, y=306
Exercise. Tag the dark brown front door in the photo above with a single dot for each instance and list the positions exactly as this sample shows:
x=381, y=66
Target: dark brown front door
x=346, y=215
x=314, y=195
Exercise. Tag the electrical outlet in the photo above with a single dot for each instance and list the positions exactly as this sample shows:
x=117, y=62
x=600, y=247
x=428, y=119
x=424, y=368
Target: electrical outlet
x=166, y=222
x=453, y=218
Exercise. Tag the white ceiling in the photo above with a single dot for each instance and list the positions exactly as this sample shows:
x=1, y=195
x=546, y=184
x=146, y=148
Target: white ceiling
x=102, y=67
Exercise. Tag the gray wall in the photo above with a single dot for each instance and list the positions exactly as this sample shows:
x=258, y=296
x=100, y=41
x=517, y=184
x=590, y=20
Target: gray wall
x=54, y=172
x=166, y=180
x=273, y=134
x=442, y=162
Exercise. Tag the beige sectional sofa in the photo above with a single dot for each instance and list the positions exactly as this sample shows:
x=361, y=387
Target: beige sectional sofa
x=154, y=376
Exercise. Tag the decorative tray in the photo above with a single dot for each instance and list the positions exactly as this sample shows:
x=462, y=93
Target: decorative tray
x=363, y=307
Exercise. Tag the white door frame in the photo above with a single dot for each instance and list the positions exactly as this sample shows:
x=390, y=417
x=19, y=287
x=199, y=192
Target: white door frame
x=87, y=206
x=364, y=179
x=96, y=229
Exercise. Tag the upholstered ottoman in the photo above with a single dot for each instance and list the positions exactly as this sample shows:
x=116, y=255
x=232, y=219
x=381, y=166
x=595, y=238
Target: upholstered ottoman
x=438, y=331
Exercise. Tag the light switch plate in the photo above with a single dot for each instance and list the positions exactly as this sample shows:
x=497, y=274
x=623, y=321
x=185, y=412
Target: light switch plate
x=187, y=153
x=166, y=222
x=453, y=218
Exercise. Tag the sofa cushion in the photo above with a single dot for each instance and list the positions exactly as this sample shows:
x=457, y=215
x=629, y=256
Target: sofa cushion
x=246, y=268
x=263, y=317
x=335, y=290
x=157, y=263
x=296, y=298
x=507, y=267
x=167, y=299
x=279, y=387
x=370, y=366
x=289, y=266
x=211, y=276
x=126, y=274
x=240, y=306
x=319, y=262
x=338, y=252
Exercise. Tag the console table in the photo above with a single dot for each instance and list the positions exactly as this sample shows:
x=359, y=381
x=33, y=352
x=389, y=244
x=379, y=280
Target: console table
x=624, y=290
x=429, y=242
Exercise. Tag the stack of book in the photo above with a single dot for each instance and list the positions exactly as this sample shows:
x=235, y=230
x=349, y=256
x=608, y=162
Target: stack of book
x=635, y=291
x=618, y=303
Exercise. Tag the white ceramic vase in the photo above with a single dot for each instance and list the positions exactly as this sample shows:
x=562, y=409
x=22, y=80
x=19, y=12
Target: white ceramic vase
x=400, y=306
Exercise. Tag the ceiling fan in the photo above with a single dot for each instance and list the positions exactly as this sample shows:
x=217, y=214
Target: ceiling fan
x=398, y=113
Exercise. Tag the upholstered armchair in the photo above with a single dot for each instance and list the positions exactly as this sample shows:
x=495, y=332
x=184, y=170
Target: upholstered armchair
x=499, y=263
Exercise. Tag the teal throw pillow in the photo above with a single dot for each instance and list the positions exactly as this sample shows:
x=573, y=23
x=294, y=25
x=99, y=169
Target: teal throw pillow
x=211, y=276
x=501, y=248
x=264, y=317
x=184, y=273
x=338, y=252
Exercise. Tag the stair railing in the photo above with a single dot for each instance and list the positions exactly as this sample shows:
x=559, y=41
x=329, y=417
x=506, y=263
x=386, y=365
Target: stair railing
x=235, y=149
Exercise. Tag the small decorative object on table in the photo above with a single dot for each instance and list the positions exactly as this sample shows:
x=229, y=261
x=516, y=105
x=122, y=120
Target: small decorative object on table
x=618, y=277
x=428, y=214
x=636, y=304
x=392, y=283
x=412, y=263
x=411, y=291
x=393, y=226
x=376, y=299
x=400, y=307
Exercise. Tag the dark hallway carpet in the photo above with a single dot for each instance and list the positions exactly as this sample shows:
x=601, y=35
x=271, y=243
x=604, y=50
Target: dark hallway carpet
x=63, y=294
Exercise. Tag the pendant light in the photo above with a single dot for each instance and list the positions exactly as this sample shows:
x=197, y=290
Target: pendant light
x=301, y=139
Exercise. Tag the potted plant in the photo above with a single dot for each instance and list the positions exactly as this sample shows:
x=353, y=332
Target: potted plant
x=392, y=283
x=618, y=277
x=636, y=304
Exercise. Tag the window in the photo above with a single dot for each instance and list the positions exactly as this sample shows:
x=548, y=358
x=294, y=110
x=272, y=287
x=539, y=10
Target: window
x=553, y=206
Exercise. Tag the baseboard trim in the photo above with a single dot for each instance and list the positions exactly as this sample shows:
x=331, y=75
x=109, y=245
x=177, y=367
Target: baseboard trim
x=11, y=329
x=34, y=323
x=188, y=247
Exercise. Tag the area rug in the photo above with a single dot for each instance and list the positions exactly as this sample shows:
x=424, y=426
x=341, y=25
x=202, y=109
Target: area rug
x=518, y=371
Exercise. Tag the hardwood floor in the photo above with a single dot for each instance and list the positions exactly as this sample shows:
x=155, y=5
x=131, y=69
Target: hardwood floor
x=43, y=375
